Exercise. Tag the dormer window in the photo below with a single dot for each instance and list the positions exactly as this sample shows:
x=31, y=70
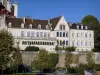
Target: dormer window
x=30, y=26
x=86, y=27
x=22, y=25
x=47, y=27
x=9, y=24
x=39, y=26
x=77, y=26
x=82, y=27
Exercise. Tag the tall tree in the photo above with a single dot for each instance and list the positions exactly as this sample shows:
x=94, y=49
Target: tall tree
x=90, y=60
x=42, y=61
x=93, y=24
x=8, y=54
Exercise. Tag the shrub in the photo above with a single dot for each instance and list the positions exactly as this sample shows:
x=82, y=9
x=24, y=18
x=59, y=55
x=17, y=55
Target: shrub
x=32, y=48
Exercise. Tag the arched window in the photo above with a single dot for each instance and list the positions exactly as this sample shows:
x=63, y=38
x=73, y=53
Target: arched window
x=9, y=24
x=66, y=34
x=66, y=42
x=63, y=34
x=60, y=34
x=30, y=26
x=22, y=25
x=57, y=34
x=43, y=43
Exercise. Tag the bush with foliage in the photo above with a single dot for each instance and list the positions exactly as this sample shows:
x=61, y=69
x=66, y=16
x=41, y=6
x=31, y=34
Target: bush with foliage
x=32, y=48
x=9, y=56
x=45, y=61
x=55, y=58
x=70, y=49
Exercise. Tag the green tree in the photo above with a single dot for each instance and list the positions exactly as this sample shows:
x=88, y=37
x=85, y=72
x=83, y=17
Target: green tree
x=42, y=61
x=7, y=52
x=93, y=24
x=54, y=58
x=90, y=60
x=91, y=21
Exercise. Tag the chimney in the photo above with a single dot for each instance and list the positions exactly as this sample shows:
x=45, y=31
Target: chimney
x=8, y=6
x=15, y=9
x=24, y=20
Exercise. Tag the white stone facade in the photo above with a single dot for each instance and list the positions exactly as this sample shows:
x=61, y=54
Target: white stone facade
x=47, y=34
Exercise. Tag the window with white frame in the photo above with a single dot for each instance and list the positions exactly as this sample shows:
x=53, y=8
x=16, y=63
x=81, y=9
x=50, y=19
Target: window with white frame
x=72, y=34
x=32, y=34
x=90, y=35
x=60, y=34
x=57, y=34
x=22, y=33
x=45, y=34
x=37, y=34
x=86, y=43
x=77, y=34
x=28, y=34
x=78, y=43
x=63, y=34
x=41, y=34
x=73, y=43
x=81, y=43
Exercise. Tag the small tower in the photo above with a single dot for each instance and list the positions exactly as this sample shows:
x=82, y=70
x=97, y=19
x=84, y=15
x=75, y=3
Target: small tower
x=15, y=5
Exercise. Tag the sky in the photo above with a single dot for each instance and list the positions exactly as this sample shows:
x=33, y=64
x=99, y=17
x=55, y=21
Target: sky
x=73, y=10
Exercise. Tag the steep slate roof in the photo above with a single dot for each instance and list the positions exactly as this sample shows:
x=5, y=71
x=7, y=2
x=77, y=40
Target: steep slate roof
x=16, y=22
x=74, y=26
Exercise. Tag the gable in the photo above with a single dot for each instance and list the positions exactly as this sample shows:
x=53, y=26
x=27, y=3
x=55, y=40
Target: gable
x=62, y=21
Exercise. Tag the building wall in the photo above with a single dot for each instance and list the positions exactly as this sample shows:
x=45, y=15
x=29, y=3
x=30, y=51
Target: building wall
x=43, y=41
x=63, y=32
x=83, y=40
